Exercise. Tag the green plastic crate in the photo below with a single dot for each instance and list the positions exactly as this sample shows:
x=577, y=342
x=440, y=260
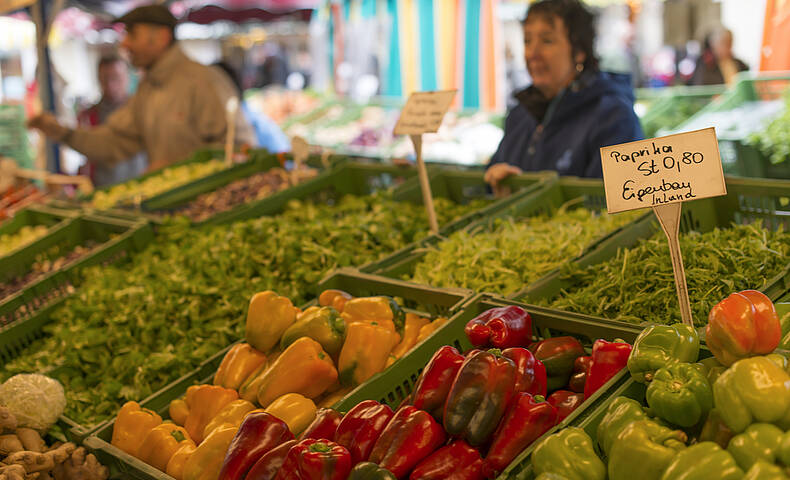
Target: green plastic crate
x=423, y=300
x=17, y=330
x=57, y=221
x=747, y=200
x=327, y=187
x=676, y=105
x=543, y=200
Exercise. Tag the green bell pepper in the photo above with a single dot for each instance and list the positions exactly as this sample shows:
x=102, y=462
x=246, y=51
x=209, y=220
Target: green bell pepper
x=703, y=461
x=570, y=455
x=765, y=471
x=622, y=412
x=753, y=390
x=711, y=368
x=715, y=430
x=643, y=451
x=323, y=325
x=680, y=394
x=370, y=471
x=760, y=441
x=660, y=346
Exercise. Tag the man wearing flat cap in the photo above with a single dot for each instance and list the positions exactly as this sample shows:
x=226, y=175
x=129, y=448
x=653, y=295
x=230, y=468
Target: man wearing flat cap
x=178, y=108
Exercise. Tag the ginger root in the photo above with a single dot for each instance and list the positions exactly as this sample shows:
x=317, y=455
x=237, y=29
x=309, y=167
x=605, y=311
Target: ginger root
x=10, y=444
x=81, y=466
x=31, y=440
x=13, y=472
x=41, y=462
x=7, y=420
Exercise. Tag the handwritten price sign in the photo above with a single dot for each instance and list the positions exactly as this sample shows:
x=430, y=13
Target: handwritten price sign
x=670, y=169
x=661, y=173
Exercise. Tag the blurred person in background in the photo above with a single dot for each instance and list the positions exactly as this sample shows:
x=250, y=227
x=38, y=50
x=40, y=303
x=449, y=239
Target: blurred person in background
x=572, y=109
x=179, y=106
x=717, y=64
x=113, y=76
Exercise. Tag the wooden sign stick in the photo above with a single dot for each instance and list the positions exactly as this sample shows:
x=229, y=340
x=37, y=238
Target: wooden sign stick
x=422, y=172
x=230, y=108
x=669, y=217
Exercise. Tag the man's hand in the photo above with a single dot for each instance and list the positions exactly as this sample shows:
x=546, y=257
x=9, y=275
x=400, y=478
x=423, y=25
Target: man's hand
x=48, y=125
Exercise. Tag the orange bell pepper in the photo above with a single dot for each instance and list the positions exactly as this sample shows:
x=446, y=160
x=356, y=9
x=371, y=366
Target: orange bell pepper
x=161, y=443
x=238, y=364
x=205, y=403
x=175, y=466
x=334, y=298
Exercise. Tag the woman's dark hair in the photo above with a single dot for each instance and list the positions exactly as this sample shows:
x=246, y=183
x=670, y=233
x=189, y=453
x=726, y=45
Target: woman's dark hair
x=578, y=21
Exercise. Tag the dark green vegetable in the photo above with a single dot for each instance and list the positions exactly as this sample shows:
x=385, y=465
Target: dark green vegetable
x=638, y=285
x=774, y=140
x=503, y=258
x=133, y=328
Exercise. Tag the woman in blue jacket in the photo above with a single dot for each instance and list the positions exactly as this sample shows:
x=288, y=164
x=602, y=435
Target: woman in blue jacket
x=572, y=109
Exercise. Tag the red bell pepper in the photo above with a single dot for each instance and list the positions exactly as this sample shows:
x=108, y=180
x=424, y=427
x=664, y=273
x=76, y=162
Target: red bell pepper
x=410, y=436
x=531, y=377
x=608, y=358
x=481, y=392
x=743, y=325
x=558, y=355
x=315, y=459
x=581, y=368
x=527, y=419
x=431, y=389
x=361, y=427
x=269, y=464
x=457, y=461
x=324, y=426
x=503, y=327
x=565, y=402
x=258, y=433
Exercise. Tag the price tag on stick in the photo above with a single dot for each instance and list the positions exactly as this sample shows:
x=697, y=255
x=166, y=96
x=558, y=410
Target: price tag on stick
x=231, y=107
x=423, y=113
x=662, y=173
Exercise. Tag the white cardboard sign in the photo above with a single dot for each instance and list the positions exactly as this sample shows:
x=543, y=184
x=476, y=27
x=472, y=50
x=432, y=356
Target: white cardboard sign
x=423, y=112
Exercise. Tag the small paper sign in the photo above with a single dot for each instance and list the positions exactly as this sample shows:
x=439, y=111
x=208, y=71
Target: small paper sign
x=423, y=112
x=660, y=171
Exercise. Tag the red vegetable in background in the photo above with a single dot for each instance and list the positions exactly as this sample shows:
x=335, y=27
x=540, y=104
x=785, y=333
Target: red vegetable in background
x=608, y=358
x=361, y=427
x=431, y=389
x=269, y=464
x=258, y=433
x=565, y=402
x=558, y=355
x=581, y=368
x=531, y=373
x=457, y=461
x=314, y=459
x=410, y=436
x=503, y=327
x=324, y=426
x=526, y=420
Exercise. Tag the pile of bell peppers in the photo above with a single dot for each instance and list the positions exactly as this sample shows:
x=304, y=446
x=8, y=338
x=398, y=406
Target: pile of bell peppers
x=293, y=363
x=725, y=417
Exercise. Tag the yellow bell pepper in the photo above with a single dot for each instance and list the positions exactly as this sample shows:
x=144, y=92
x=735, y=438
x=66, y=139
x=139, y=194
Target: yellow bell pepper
x=302, y=368
x=131, y=426
x=307, y=311
x=175, y=466
x=410, y=333
x=161, y=443
x=238, y=364
x=365, y=352
x=205, y=462
x=332, y=398
x=427, y=330
x=179, y=410
x=381, y=310
x=334, y=298
x=295, y=410
x=268, y=316
x=205, y=403
x=232, y=415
